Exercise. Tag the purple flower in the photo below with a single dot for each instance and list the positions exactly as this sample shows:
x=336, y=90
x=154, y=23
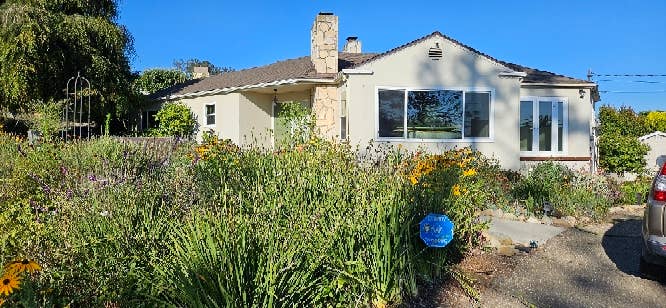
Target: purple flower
x=69, y=194
x=63, y=170
x=92, y=178
x=47, y=189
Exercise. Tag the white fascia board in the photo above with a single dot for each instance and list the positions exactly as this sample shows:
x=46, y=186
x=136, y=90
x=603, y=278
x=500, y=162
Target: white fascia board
x=253, y=86
x=512, y=74
x=354, y=71
x=563, y=85
x=655, y=134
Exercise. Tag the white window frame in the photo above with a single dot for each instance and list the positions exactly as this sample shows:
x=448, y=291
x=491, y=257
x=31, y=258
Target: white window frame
x=553, y=129
x=491, y=128
x=213, y=114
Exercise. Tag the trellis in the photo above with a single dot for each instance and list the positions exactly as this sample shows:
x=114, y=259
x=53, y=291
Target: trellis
x=76, y=112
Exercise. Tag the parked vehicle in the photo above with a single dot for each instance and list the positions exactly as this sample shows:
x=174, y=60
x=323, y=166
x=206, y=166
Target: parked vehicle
x=653, y=256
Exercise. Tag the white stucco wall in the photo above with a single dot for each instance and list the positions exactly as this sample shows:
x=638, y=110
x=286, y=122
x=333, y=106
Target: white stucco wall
x=459, y=68
x=226, y=115
x=257, y=118
x=656, y=156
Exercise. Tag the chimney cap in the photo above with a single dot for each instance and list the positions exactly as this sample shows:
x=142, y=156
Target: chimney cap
x=352, y=38
x=326, y=13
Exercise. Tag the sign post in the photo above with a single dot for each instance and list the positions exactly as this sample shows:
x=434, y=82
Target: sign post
x=436, y=230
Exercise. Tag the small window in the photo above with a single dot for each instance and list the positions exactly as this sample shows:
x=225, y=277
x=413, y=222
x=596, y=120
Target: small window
x=210, y=114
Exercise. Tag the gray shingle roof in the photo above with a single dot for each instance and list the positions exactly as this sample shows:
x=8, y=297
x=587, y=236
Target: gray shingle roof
x=288, y=69
x=303, y=68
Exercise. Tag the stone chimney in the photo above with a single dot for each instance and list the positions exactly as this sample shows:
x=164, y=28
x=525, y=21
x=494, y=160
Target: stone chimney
x=324, y=40
x=200, y=72
x=353, y=45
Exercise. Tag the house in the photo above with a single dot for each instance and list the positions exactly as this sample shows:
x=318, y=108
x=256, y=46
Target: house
x=656, y=156
x=433, y=93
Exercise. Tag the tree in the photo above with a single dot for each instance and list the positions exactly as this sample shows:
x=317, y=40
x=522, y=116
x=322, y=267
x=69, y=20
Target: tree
x=43, y=43
x=153, y=80
x=656, y=120
x=619, y=148
x=188, y=67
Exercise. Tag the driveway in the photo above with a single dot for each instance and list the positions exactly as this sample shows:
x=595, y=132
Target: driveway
x=596, y=267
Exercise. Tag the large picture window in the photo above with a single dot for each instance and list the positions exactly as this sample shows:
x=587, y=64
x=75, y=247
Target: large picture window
x=543, y=124
x=433, y=114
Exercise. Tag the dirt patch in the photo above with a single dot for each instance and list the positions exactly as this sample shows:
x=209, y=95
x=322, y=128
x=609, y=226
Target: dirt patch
x=477, y=270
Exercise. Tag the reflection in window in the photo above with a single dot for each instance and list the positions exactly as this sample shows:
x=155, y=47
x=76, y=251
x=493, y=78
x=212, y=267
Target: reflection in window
x=477, y=114
x=560, y=125
x=434, y=114
x=391, y=113
x=526, y=119
x=546, y=132
x=210, y=114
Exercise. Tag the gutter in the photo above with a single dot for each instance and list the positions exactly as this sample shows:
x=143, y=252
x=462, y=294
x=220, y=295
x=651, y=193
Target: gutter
x=563, y=85
x=512, y=74
x=253, y=86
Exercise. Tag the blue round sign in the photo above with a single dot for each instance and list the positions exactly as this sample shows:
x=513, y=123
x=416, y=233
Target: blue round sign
x=436, y=230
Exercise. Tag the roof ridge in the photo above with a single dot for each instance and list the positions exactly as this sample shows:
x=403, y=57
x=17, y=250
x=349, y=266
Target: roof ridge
x=423, y=38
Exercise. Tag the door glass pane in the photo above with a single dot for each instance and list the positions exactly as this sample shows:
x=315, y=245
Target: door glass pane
x=560, y=125
x=526, y=122
x=391, y=113
x=280, y=126
x=477, y=114
x=545, y=126
x=434, y=114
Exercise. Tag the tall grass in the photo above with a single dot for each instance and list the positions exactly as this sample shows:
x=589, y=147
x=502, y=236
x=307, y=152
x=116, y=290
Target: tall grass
x=224, y=227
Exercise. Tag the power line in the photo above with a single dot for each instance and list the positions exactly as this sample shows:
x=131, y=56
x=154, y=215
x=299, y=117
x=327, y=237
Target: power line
x=627, y=75
x=634, y=92
x=636, y=81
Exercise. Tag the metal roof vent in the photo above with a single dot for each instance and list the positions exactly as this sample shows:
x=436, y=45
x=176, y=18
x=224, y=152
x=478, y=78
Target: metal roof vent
x=435, y=53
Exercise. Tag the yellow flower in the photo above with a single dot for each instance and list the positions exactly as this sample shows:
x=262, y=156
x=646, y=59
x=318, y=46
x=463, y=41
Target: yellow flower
x=455, y=190
x=9, y=282
x=23, y=265
x=470, y=172
x=413, y=180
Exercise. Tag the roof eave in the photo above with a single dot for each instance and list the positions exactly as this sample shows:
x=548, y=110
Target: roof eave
x=227, y=90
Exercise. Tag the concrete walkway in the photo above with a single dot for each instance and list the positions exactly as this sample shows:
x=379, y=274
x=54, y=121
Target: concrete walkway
x=522, y=232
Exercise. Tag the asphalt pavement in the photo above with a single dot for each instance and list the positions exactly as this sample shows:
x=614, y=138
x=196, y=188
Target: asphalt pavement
x=596, y=267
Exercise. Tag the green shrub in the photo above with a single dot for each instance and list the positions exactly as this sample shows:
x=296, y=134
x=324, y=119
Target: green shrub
x=570, y=193
x=619, y=148
x=541, y=185
x=175, y=119
x=629, y=190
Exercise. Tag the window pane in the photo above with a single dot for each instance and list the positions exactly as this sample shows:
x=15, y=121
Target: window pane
x=210, y=119
x=526, y=121
x=343, y=128
x=560, y=125
x=210, y=109
x=391, y=113
x=434, y=114
x=477, y=114
x=545, y=126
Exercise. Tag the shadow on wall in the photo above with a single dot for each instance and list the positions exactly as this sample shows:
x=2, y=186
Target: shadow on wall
x=661, y=160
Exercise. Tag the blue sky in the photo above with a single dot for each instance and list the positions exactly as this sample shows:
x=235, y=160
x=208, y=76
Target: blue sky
x=565, y=37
